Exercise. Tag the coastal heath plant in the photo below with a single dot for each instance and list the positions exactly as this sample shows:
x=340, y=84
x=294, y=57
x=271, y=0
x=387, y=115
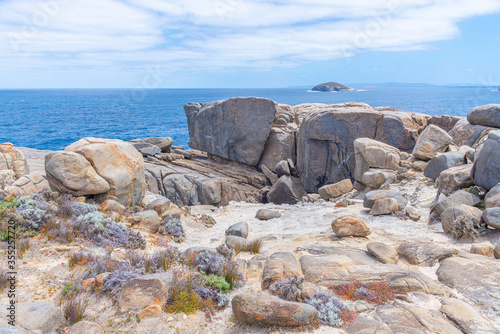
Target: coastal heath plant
x=331, y=311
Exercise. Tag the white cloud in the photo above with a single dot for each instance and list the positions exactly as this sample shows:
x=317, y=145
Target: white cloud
x=211, y=34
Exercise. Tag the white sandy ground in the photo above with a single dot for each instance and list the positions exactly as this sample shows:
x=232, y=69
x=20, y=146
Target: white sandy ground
x=44, y=269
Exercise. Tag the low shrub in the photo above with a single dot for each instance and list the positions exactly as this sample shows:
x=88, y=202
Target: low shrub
x=183, y=297
x=117, y=279
x=373, y=292
x=255, y=246
x=210, y=263
x=288, y=288
x=157, y=262
x=173, y=227
x=74, y=309
x=80, y=259
x=331, y=311
x=218, y=282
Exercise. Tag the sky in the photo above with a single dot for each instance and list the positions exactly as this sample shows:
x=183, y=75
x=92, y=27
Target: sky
x=246, y=43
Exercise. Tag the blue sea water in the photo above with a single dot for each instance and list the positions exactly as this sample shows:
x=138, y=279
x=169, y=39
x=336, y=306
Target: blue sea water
x=53, y=119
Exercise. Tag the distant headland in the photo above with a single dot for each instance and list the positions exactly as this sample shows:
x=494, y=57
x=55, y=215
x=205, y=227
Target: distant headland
x=331, y=87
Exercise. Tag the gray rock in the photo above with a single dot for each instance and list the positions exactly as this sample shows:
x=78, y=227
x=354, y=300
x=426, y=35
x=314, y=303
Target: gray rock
x=384, y=253
x=374, y=178
x=185, y=153
x=86, y=327
x=236, y=129
x=265, y=214
x=282, y=168
x=492, y=217
x=143, y=291
x=449, y=217
x=347, y=226
x=111, y=205
x=279, y=265
x=483, y=248
x=37, y=318
x=496, y=251
x=160, y=205
x=238, y=229
x=443, y=162
x=272, y=177
x=9, y=329
x=335, y=190
x=445, y=122
x=371, y=196
x=487, y=115
x=325, y=142
x=384, y=206
x=486, y=169
x=288, y=190
x=412, y=212
x=423, y=253
x=258, y=309
x=477, y=278
x=146, y=148
x=237, y=243
x=466, y=317
x=454, y=178
x=279, y=146
x=364, y=325
x=492, y=198
x=164, y=143
x=464, y=133
x=456, y=199
x=147, y=221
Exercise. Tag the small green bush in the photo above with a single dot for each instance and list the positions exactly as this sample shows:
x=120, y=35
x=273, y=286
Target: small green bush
x=219, y=282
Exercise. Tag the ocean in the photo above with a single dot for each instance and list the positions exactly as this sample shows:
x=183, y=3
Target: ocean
x=53, y=119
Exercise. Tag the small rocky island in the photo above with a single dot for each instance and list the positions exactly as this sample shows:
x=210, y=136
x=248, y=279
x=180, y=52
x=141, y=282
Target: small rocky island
x=332, y=87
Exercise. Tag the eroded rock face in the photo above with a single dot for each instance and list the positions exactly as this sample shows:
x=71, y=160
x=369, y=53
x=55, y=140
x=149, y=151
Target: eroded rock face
x=335, y=190
x=236, y=129
x=117, y=162
x=487, y=115
x=349, y=225
x=449, y=216
x=464, y=133
x=279, y=146
x=13, y=159
x=454, y=178
x=443, y=162
x=325, y=149
x=486, y=169
x=466, y=317
x=477, y=277
x=371, y=153
x=384, y=253
x=27, y=184
x=259, y=309
x=423, y=253
x=144, y=291
x=432, y=141
x=492, y=198
x=70, y=172
x=37, y=317
x=279, y=265
x=287, y=190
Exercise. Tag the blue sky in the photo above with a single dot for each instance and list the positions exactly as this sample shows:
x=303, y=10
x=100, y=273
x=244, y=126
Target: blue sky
x=246, y=43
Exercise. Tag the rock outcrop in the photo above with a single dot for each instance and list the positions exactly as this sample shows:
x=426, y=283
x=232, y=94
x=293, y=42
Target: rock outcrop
x=331, y=87
x=236, y=129
x=488, y=115
x=486, y=169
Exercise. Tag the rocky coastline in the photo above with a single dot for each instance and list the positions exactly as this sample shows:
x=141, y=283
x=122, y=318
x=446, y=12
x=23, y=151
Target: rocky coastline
x=288, y=206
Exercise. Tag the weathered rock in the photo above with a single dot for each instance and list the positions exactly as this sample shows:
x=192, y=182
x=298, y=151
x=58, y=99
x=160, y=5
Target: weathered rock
x=370, y=153
x=223, y=128
x=146, y=148
x=153, y=311
x=431, y=142
x=496, y=251
x=492, y=198
x=445, y=122
x=384, y=253
x=343, y=264
x=442, y=162
x=492, y=217
x=384, y=206
x=335, y=190
x=477, y=277
x=235, y=242
x=13, y=159
x=484, y=248
x=288, y=190
x=374, y=178
x=111, y=205
x=454, y=178
x=185, y=153
x=325, y=149
x=147, y=221
x=37, y=317
x=487, y=115
x=258, y=309
x=144, y=291
x=27, y=184
x=238, y=229
x=415, y=320
x=272, y=177
x=423, y=253
x=364, y=325
x=279, y=146
x=464, y=133
x=119, y=163
x=371, y=196
x=160, y=205
x=466, y=317
x=347, y=226
x=265, y=214
x=486, y=169
x=450, y=216
x=164, y=143
x=279, y=265
x=412, y=212
x=282, y=168
x=86, y=327
x=70, y=172
x=456, y=199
